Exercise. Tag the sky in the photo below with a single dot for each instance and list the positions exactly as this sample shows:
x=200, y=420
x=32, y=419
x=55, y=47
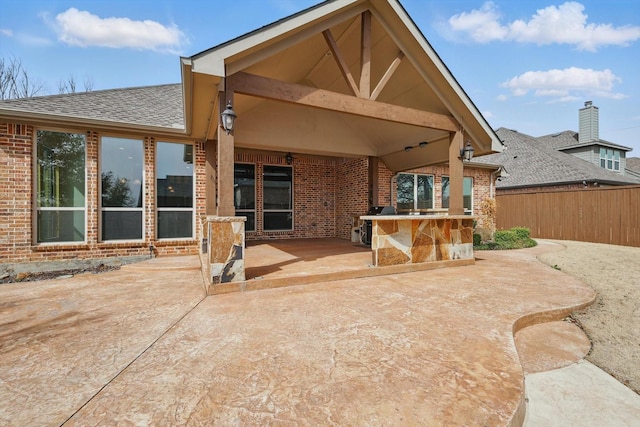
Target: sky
x=528, y=65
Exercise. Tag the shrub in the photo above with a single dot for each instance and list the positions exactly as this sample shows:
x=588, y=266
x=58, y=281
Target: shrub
x=516, y=238
x=477, y=240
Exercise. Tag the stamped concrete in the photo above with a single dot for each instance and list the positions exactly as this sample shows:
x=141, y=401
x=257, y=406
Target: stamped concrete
x=422, y=348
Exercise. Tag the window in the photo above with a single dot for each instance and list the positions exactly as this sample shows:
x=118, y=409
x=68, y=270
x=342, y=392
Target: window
x=244, y=193
x=174, y=190
x=609, y=159
x=467, y=194
x=121, y=173
x=60, y=181
x=415, y=191
x=277, y=193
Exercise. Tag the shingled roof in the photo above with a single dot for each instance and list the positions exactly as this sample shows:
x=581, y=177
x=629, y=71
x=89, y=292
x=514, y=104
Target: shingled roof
x=569, y=139
x=531, y=163
x=150, y=106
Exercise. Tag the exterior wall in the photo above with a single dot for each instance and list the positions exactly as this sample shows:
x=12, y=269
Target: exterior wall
x=567, y=187
x=352, y=195
x=314, y=198
x=17, y=209
x=481, y=184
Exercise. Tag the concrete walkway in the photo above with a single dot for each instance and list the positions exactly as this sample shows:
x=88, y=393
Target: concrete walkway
x=142, y=346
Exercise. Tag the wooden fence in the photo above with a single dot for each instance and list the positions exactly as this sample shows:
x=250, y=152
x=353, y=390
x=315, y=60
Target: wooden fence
x=600, y=215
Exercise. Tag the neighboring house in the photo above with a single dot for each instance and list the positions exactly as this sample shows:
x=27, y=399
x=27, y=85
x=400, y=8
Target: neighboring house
x=633, y=167
x=564, y=160
x=334, y=104
x=531, y=166
x=587, y=145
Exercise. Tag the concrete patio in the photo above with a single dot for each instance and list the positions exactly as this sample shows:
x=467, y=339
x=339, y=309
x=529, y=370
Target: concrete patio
x=144, y=346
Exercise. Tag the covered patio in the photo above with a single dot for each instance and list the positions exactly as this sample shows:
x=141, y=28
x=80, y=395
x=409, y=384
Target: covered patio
x=328, y=104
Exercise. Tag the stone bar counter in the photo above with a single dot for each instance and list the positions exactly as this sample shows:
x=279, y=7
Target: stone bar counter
x=222, y=249
x=411, y=239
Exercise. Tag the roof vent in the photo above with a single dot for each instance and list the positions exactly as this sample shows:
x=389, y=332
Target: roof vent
x=588, y=131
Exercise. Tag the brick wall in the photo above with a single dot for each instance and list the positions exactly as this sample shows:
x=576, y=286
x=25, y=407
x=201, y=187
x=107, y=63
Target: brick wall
x=352, y=194
x=566, y=187
x=314, y=195
x=17, y=210
x=481, y=184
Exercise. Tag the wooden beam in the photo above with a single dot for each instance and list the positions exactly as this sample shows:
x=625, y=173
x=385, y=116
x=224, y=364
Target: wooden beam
x=365, y=55
x=342, y=64
x=387, y=76
x=456, y=173
x=225, y=152
x=263, y=87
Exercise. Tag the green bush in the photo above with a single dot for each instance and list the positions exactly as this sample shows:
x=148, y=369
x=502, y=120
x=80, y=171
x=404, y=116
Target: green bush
x=477, y=240
x=515, y=238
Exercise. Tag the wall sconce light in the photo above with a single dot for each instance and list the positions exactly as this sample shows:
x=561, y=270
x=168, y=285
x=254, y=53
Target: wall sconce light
x=289, y=158
x=466, y=153
x=423, y=144
x=408, y=148
x=228, y=118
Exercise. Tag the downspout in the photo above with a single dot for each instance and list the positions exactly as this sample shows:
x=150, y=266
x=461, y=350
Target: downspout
x=492, y=185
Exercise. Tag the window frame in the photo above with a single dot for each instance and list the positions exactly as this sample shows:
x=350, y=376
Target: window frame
x=255, y=196
x=36, y=209
x=467, y=211
x=159, y=209
x=292, y=201
x=415, y=189
x=102, y=209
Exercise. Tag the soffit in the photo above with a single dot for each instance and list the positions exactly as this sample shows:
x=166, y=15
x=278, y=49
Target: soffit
x=417, y=83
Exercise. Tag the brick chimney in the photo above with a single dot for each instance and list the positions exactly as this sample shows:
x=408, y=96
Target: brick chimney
x=588, y=131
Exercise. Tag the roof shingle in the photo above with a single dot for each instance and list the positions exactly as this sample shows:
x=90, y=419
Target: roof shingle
x=530, y=163
x=159, y=106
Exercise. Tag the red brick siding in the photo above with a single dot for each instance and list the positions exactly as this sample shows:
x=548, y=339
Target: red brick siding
x=352, y=194
x=314, y=195
x=15, y=191
x=567, y=187
x=481, y=184
x=16, y=206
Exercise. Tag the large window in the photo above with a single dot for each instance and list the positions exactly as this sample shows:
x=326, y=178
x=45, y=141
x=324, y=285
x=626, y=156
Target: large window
x=174, y=189
x=277, y=193
x=244, y=193
x=60, y=193
x=609, y=159
x=121, y=172
x=467, y=193
x=415, y=191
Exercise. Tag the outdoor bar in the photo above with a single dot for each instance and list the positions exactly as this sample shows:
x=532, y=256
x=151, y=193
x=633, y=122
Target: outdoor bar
x=411, y=239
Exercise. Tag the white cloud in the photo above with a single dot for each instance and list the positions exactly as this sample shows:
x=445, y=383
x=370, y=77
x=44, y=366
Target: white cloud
x=502, y=97
x=6, y=32
x=565, y=84
x=564, y=24
x=81, y=28
x=487, y=114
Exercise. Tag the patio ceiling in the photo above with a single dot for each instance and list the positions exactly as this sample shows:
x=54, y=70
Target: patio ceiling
x=300, y=85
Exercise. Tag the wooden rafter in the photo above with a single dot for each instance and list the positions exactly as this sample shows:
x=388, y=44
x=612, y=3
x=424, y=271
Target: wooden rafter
x=365, y=55
x=387, y=76
x=263, y=87
x=342, y=64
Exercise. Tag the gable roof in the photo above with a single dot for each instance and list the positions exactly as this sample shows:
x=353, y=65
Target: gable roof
x=151, y=107
x=295, y=51
x=530, y=163
x=568, y=139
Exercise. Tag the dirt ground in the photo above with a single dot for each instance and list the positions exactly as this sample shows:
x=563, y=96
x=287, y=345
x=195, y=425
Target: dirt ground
x=613, y=321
